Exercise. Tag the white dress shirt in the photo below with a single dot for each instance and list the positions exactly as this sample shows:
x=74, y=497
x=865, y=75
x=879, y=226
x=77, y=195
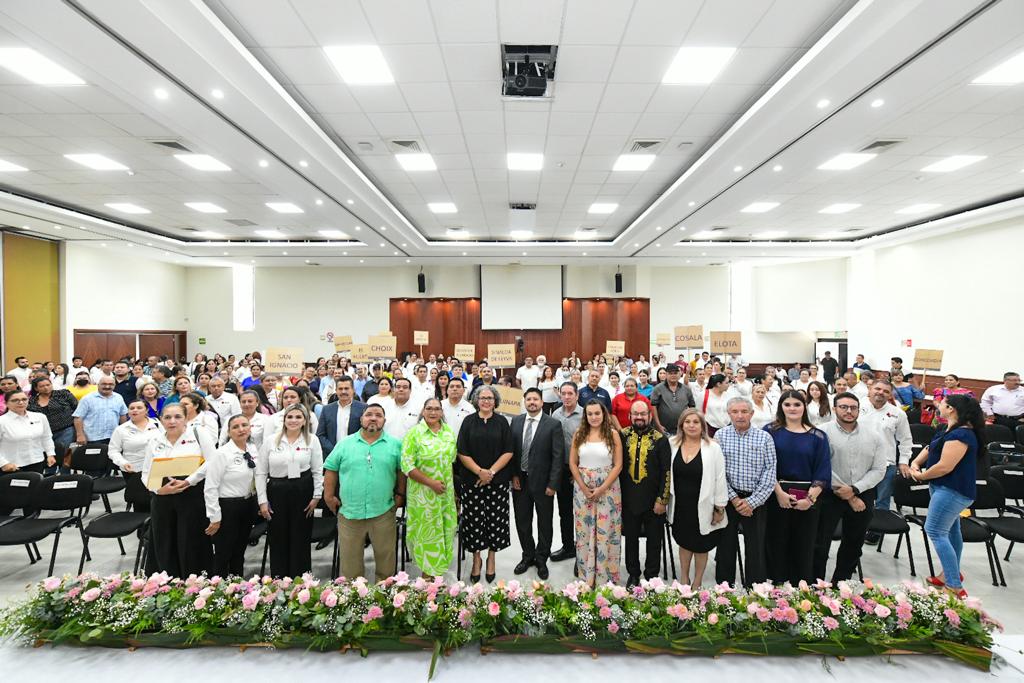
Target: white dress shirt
x=715, y=412
x=23, y=375
x=192, y=442
x=764, y=415
x=206, y=420
x=814, y=414
x=860, y=390
x=455, y=414
x=257, y=428
x=998, y=400
x=24, y=439
x=226, y=405
x=528, y=376
x=228, y=475
x=743, y=388
x=289, y=459
x=128, y=443
x=402, y=419
x=386, y=402
x=891, y=422
x=276, y=423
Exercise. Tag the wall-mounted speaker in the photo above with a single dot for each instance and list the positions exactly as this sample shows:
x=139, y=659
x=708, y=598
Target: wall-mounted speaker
x=618, y=283
x=421, y=283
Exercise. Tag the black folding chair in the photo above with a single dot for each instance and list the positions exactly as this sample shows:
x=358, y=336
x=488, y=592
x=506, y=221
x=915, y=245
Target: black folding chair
x=325, y=529
x=120, y=524
x=889, y=522
x=998, y=432
x=63, y=493
x=17, y=492
x=1011, y=478
x=921, y=435
x=92, y=459
x=668, y=555
x=1005, y=453
x=1020, y=434
x=400, y=537
x=908, y=493
x=989, y=496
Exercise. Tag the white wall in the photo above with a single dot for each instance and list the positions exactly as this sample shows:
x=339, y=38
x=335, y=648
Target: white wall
x=800, y=296
x=958, y=292
x=105, y=290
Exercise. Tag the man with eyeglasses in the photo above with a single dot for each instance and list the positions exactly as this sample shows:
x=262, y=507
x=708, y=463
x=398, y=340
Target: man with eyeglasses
x=858, y=465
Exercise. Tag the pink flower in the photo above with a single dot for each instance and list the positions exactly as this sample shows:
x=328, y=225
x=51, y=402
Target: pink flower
x=619, y=593
x=399, y=600
x=432, y=606
x=454, y=590
x=679, y=611
x=601, y=601
x=830, y=623
x=605, y=612
x=303, y=596
x=51, y=584
x=613, y=627
x=465, y=617
x=199, y=603
x=402, y=579
x=713, y=618
x=571, y=591
x=951, y=615
x=374, y=612
x=362, y=590
x=722, y=600
x=763, y=615
x=329, y=598
x=250, y=600
x=90, y=595
x=494, y=609
x=805, y=605
x=752, y=608
x=882, y=611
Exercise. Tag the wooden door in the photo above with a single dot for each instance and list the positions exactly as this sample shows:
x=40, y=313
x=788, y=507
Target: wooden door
x=120, y=346
x=91, y=346
x=157, y=345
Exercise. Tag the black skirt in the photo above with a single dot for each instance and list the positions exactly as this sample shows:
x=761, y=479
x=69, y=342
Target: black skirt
x=485, y=517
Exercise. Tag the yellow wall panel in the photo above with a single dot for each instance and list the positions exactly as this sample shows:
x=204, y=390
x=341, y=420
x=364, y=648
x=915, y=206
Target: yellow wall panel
x=31, y=299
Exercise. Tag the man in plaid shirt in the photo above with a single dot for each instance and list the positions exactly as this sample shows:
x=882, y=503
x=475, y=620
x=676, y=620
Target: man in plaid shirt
x=750, y=477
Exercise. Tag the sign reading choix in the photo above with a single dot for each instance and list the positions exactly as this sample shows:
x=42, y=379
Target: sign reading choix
x=383, y=346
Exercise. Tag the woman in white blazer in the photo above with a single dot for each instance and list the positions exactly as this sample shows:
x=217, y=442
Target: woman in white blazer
x=699, y=494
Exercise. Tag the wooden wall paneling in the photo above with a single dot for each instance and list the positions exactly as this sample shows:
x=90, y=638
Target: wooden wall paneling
x=119, y=346
x=90, y=346
x=156, y=345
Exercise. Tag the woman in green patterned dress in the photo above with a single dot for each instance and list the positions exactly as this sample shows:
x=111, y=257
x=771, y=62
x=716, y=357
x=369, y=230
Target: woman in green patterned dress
x=428, y=453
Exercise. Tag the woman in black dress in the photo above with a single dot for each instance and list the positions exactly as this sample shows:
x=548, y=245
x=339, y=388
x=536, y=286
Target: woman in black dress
x=699, y=492
x=485, y=448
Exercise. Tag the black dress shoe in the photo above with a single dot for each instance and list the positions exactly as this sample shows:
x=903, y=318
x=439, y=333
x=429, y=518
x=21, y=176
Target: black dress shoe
x=542, y=571
x=324, y=543
x=474, y=578
x=632, y=581
x=523, y=565
x=563, y=553
x=490, y=577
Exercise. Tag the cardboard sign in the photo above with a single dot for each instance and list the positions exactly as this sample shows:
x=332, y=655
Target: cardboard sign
x=615, y=348
x=383, y=346
x=360, y=353
x=927, y=359
x=726, y=342
x=343, y=344
x=511, y=400
x=284, y=360
x=688, y=337
x=664, y=339
x=465, y=352
x=385, y=333
x=420, y=337
x=502, y=355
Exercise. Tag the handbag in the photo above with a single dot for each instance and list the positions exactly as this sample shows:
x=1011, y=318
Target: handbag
x=927, y=414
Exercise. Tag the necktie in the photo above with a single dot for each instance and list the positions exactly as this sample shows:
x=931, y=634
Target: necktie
x=527, y=442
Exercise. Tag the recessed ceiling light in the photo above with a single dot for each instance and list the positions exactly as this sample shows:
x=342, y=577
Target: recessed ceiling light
x=633, y=162
x=657, y=244
x=357, y=228
x=953, y=163
x=737, y=169
x=524, y=161
x=208, y=234
x=361, y=261
x=382, y=244
x=395, y=253
x=270, y=234
x=56, y=227
x=586, y=234
x=161, y=94
x=759, y=207
x=420, y=161
x=303, y=163
x=284, y=207
x=691, y=203
x=130, y=245
x=463, y=253
x=770, y=234
x=307, y=260
x=1009, y=72
x=96, y=162
x=284, y=253
x=846, y=161
x=333, y=234
x=875, y=104
x=319, y=202
x=584, y=253
x=658, y=228
x=8, y=167
x=408, y=260
x=264, y=163
x=777, y=168
x=206, y=207
x=350, y=202
x=359, y=64
x=521, y=234
x=457, y=232
x=703, y=234
x=823, y=103
x=839, y=208
x=125, y=207
x=687, y=260
x=703, y=253
x=918, y=208
x=34, y=67
x=225, y=253
x=682, y=227
x=344, y=253
x=524, y=253
x=103, y=244
x=217, y=93
x=442, y=207
x=404, y=244
x=696, y=65
x=636, y=244
x=602, y=207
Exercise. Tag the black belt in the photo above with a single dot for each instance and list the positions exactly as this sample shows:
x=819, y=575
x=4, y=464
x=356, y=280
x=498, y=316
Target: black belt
x=302, y=475
x=237, y=498
x=1009, y=417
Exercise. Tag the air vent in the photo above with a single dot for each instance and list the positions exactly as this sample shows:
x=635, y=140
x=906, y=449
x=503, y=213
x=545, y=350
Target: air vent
x=716, y=264
x=879, y=146
x=853, y=230
x=406, y=145
x=648, y=146
x=522, y=206
x=718, y=228
x=172, y=144
x=240, y=222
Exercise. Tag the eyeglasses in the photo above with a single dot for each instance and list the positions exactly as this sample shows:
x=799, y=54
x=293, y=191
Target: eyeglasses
x=848, y=407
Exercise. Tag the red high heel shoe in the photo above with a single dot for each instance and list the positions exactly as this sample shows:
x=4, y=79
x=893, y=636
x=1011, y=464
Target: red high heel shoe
x=939, y=583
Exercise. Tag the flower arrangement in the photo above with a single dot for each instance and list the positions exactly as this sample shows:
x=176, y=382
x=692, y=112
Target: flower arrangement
x=401, y=613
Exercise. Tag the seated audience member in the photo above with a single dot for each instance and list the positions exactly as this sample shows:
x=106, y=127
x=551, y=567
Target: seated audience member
x=903, y=391
x=1003, y=404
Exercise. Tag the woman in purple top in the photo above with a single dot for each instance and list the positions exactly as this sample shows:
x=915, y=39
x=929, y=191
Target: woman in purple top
x=803, y=470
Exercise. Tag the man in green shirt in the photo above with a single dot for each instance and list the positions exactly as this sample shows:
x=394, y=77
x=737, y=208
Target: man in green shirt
x=364, y=484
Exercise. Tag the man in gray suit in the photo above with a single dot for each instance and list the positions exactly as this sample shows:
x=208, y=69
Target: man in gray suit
x=537, y=469
x=350, y=410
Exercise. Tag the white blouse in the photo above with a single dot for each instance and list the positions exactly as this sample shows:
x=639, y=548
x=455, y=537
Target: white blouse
x=386, y=401
x=228, y=475
x=206, y=420
x=814, y=416
x=594, y=455
x=763, y=416
x=192, y=442
x=24, y=439
x=289, y=459
x=128, y=443
x=257, y=428
x=714, y=410
x=276, y=423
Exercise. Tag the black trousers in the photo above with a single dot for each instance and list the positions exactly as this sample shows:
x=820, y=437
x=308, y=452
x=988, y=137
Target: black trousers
x=237, y=516
x=753, y=546
x=790, y=542
x=1008, y=421
x=565, y=515
x=653, y=527
x=180, y=544
x=291, y=531
x=855, y=526
x=135, y=492
x=523, y=503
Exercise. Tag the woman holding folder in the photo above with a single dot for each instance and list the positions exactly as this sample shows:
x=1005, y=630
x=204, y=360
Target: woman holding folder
x=230, y=494
x=174, y=470
x=289, y=483
x=803, y=470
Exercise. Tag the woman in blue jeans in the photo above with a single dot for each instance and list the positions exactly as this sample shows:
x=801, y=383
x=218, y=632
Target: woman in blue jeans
x=951, y=469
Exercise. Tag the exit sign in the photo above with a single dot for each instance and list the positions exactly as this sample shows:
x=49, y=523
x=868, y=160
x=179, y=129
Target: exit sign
x=202, y=340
